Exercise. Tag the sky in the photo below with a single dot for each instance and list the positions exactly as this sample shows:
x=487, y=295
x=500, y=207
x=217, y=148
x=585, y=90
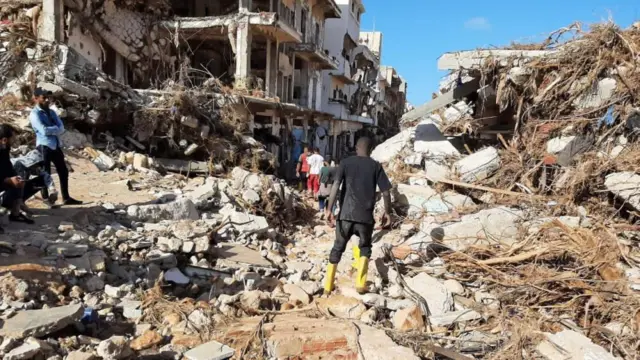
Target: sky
x=417, y=32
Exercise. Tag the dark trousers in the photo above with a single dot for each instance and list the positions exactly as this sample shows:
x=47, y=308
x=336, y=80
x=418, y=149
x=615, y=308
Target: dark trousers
x=31, y=187
x=344, y=231
x=57, y=157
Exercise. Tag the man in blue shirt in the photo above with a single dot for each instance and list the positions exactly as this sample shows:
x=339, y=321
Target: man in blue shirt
x=48, y=128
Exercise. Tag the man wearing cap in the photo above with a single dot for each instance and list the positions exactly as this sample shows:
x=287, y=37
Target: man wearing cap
x=48, y=127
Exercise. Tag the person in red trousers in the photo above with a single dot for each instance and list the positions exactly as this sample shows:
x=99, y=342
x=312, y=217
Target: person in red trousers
x=316, y=162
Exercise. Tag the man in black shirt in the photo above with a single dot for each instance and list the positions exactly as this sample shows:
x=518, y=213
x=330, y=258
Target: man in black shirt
x=15, y=190
x=359, y=176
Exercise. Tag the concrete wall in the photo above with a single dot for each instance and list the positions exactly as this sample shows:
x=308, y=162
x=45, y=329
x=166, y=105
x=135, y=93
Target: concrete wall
x=372, y=40
x=85, y=45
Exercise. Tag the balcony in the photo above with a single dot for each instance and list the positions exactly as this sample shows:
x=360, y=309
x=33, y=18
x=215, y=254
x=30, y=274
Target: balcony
x=330, y=8
x=314, y=54
x=343, y=72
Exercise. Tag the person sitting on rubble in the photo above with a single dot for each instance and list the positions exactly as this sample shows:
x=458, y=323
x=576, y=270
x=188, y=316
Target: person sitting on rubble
x=30, y=165
x=15, y=190
x=48, y=128
x=359, y=177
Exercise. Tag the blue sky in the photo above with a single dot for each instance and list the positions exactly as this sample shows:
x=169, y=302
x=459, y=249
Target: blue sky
x=416, y=32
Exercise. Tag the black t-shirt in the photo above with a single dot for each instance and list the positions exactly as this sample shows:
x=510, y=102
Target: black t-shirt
x=359, y=177
x=6, y=167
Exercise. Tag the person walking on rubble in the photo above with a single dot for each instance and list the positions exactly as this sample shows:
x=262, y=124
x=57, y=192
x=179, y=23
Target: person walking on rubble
x=316, y=161
x=359, y=177
x=302, y=169
x=48, y=128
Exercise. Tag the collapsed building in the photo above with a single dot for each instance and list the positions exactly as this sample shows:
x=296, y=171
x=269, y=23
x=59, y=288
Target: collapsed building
x=270, y=66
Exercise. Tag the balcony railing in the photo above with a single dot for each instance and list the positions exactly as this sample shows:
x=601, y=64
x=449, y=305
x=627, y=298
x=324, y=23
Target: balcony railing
x=287, y=15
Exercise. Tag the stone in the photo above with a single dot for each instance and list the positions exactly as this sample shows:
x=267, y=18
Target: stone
x=254, y=299
x=169, y=244
x=204, y=193
x=28, y=350
x=370, y=316
x=114, y=348
x=421, y=199
x=176, y=276
x=199, y=319
x=557, y=145
x=243, y=180
x=438, y=298
x=477, y=341
x=162, y=259
x=140, y=161
x=429, y=141
x=131, y=309
x=408, y=319
x=570, y=345
x=239, y=253
x=454, y=317
x=435, y=171
x=251, y=196
x=211, y=350
x=40, y=323
x=103, y=161
x=53, y=88
x=478, y=166
x=79, y=355
x=246, y=223
x=625, y=185
x=486, y=299
x=94, y=283
x=114, y=291
x=180, y=209
x=296, y=294
x=391, y=148
x=343, y=307
x=74, y=139
x=457, y=111
x=454, y=287
x=147, y=340
x=377, y=345
x=519, y=75
x=202, y=244
x=67, y=250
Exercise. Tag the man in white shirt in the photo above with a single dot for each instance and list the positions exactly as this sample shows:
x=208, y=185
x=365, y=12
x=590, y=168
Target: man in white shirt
x=316, y=161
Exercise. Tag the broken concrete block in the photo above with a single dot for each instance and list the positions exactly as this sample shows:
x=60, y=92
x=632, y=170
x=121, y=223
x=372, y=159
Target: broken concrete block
x=436, y=171
x=570, y=345
x=246, y=223
x=424, y=199
x=114, y=348
x=429, y=141
x=79, y=355
x=377, y=345
x=343, y=307
x=519, y=75
x=558, y=144
x=104, y=162
x=296, y=294
x=438, y=298
x=599, y=96
x=625, y=186
x=140, y=161
x=67, y=250
x=478, y=166
x=147, y=340
x=457, y=111
x=391, y=148
x=212, y=350
x=74, y=139
x=181, y=209
x=454, y=317
x=162, y=259
x=55, y=89
x=251, y=196
x=176, y=276
x=189, y=121
x=28, y=350
x=408, y=319
x=39, y=323
x=169, y=244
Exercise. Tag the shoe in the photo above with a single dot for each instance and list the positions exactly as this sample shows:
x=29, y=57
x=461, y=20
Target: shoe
x=21, y=218
x=52, y=198
x=361, y=277
x=72, y=201
x=329, y=281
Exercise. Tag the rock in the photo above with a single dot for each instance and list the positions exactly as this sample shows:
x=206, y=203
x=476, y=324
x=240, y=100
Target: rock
x=140, y=161
x=377, y=345
x=74, y=139
x=247, y=223
x=175, y=276
x=212, y=350
x=53, y=88
x=436, y=294
x=296, y=294
x=28, y=350
x=162, y=259
x=199, y=319
x=67, y=250
x=478, y=166
x=477, y=341
x=169, y=244
x=370, y=316
x=343, y=307
x=243, y=180
x=39, y=323
x=487, y=300
x=436, y=171
x=570, y=345
x=408, y=319
x=625, y=185
x=454, y=317
x=251, y=196
x=181, y=209
x=558, y=144
x=519, y=75
x=147, y=340
x=430, y=141
x=238, y=253
x=421, y=199
x=202, y=244
x=79, y=355
x=205, y=193
x=131, y=309
x=457, y=111
x=94, y=283
x=254, y=300
x=454, y=287
x=115, y=347
x=599, y=96
x=103, y=161
x=391, y=148
x=114, y=291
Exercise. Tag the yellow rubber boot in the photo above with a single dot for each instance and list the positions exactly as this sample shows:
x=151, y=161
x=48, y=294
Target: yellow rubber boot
x=330, y=279
x=356, y=256
x=361, y=277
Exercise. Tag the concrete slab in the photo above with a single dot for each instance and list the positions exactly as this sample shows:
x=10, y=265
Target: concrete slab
x=212, y=350
x=39, y=323
x=240, y=254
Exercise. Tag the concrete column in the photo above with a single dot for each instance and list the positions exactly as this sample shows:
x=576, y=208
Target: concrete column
x=244, y=5
x=52, y=29
x=305, y=127
x=272, y=68
x=243, y=54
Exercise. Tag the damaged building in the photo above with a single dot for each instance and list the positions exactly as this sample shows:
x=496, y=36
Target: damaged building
x=297, y=71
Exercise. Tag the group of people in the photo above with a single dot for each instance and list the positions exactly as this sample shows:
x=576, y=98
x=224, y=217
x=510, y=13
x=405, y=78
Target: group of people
x=356, y=179
x=23, y=177
x=316, y=174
